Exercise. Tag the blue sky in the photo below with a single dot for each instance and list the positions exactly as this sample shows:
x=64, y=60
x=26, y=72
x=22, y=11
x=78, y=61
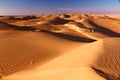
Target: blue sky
x=21, y=7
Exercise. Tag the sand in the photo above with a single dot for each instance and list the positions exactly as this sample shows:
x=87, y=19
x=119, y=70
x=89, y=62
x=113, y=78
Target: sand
x=60, y=47
x=79, y=63
x=16, y=47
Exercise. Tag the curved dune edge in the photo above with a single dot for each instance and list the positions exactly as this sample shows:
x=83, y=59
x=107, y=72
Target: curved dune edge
x=77, y=63
x=76, y=28
x=24, y=49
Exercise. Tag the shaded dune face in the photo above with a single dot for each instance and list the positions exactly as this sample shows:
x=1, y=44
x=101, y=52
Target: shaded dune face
x=105, y=29
x=56, y=21
x=108, y=23
x=6, y=26
x=108, y=63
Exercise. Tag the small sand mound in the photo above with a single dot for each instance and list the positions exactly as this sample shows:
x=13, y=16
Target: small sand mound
x=57, y=20
x=65, y=16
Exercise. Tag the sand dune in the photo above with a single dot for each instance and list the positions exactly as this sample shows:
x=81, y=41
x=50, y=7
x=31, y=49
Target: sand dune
x=60, y=47
x=93, y=26
x=16, y=46
x=76, y=64
x=115, y=16
x=90, y=33
x=110, y=24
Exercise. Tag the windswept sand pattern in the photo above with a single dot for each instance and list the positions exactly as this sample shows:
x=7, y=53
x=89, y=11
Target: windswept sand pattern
x=109, y=61
x=60, y=47
x=11, y=59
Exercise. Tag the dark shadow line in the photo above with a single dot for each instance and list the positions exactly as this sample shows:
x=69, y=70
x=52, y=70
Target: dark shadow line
x=104, y=75
x=5, y=26
x=70, y=37
x=104, y=30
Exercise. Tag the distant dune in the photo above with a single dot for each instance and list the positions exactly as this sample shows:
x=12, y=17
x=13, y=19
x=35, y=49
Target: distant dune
x=60, y=47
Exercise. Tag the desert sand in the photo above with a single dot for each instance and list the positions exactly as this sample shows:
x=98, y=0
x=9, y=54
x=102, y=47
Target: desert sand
x=60, y=47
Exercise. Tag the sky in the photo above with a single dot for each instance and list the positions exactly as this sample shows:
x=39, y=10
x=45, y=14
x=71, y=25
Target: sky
x=34, y=7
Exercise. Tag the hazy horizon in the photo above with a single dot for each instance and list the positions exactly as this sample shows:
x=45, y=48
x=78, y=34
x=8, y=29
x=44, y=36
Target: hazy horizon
x=34, y=7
